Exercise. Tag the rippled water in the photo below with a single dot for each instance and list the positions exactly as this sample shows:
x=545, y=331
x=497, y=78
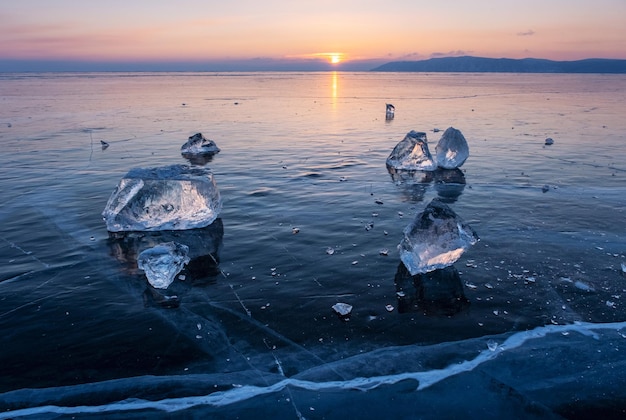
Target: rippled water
x=302, y=174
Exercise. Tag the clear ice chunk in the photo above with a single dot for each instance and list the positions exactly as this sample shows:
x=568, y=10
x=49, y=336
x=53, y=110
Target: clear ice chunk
x=342, y=309
x=452, y=149
x=163, y=262
x=176, y=197
x=435, y=239
x=390, y=111
x=199, y=145
x=412, y=154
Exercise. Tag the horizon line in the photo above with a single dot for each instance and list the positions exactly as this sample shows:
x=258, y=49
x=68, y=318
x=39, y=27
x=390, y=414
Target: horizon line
x=17, y=65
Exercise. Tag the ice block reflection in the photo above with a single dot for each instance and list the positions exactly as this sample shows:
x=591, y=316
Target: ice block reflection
x=438, y=292
x=204, y=245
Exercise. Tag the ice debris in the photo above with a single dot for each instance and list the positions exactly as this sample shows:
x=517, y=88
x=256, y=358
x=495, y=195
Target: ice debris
x=176, y=197
x=163, y=262
x=342, y=309
x=584, y=286
x=412, y=154
x=452, y=149
x=435, y=239
x=624, y=269
x=199, y=145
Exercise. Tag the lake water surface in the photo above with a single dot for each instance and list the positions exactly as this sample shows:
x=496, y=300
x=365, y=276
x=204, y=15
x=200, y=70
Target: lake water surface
x=536, y=328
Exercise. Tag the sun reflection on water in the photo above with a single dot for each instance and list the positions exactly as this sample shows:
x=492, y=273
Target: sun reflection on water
x=334, y=89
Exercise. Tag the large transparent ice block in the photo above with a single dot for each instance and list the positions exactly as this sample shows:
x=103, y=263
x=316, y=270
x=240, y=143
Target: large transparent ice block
x=176, y=197
x=435, y=239
x=412, y=154
x=452, y=149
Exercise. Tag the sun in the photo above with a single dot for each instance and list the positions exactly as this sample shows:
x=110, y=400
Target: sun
x=332, y=57
x=335, y=58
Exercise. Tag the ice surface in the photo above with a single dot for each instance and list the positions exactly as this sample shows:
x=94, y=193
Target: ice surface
x=176, y=197
x=412, y=154
x=162, y=262
x=532, y=374
x=452, y=149
x=435, y=239
x=199, y=145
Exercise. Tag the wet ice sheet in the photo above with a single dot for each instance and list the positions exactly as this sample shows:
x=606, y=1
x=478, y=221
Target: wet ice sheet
x=72, y=299
x=530, y=372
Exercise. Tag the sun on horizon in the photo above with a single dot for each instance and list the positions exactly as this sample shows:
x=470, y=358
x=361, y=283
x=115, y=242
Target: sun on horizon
x=332, y=57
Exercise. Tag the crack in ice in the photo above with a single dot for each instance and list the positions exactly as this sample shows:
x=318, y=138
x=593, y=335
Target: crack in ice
x=245, y=392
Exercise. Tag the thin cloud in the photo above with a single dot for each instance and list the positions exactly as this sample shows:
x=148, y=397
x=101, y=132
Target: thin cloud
x=408, y=56
x=529, y=32
x=457, y=53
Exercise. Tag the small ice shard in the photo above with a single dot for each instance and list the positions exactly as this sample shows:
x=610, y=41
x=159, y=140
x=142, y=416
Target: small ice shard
x=412, y=154
x=624, y=269
x=176, y=197
x=492, y=345
x=199, y=145
x=549, y=141
x=163, y=262
x=584, y=286
x=342, y=309
x=435, y=239
x=452, y=149
x=390, y=111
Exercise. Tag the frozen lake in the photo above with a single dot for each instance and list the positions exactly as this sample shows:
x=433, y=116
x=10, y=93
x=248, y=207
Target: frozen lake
x=311, y=217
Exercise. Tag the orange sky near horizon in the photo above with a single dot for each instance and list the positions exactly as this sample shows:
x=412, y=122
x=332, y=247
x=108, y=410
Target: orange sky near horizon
x=279, y=29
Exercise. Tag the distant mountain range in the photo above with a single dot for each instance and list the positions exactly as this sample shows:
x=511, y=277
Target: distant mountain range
x=469, y=64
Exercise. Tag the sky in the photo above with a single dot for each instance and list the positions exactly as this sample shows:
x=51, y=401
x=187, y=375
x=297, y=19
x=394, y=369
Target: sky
x=299, y=34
